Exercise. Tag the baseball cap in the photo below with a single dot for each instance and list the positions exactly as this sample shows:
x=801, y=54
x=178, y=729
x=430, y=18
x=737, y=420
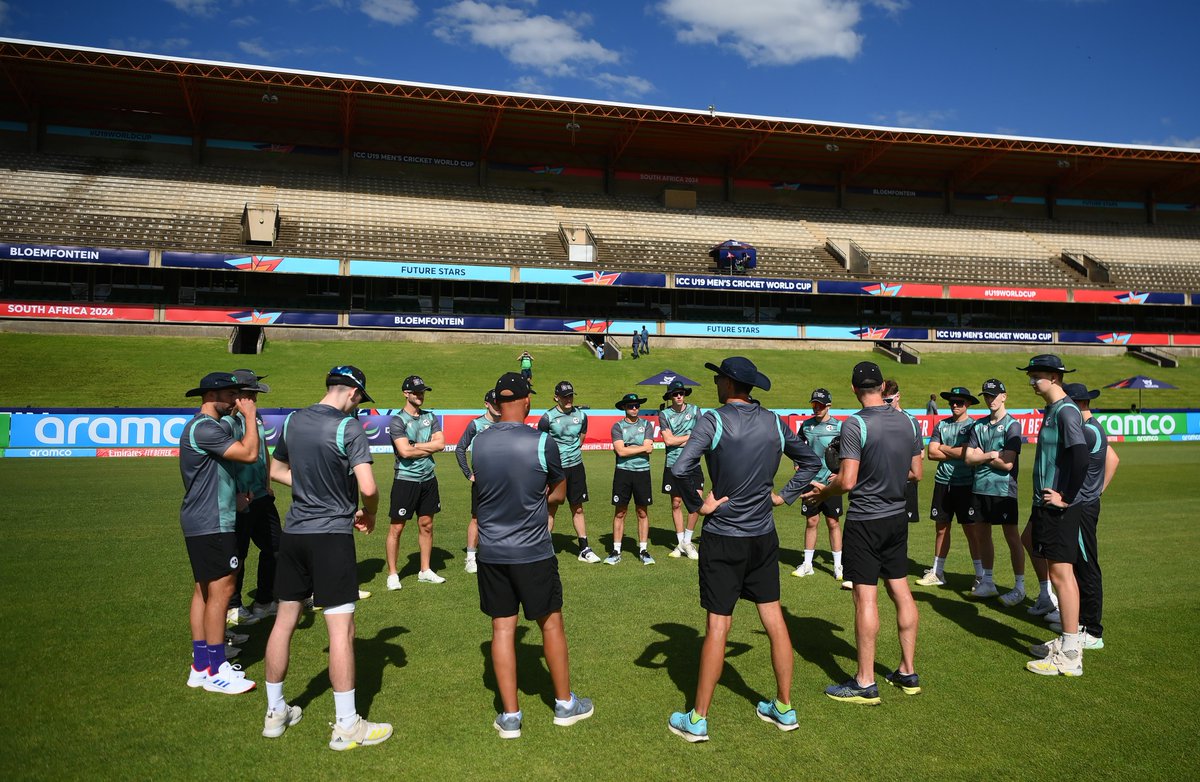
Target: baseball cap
x=511, y=386
x=958, y=392
x=1045, y=362
x=215, y=381
x=821, y=395
x=866, y=375
x=415, y=384
x=490, y=396
x=1079, y=392
x=349, y=376
x=743, y=371
x=993, y=387
x=251, y=381
x=629, y=399
x=564, y=388
x=675, y=387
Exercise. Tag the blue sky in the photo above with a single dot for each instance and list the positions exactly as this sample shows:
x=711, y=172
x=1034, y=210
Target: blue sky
x=1118, y=71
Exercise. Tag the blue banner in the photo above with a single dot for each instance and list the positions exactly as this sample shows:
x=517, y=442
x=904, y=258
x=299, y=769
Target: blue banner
x=418, y=321
x=763, y=284
x=101, y=430
x=866, y=333
x=614, y=328
x=892, y=192
x=673, y=329
x=573, y=277
x=982, y=335
x=266, y=146
x=1099, y=204
x=883, y=289
x=420, y=160
x=430, y=271
x=19, y=127
x=68, y=254
x=252, y=263
x=119, y=135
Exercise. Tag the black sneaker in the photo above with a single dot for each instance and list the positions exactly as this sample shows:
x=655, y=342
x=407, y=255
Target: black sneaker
x=908, y=683
x=644, y=557
x=851, y=692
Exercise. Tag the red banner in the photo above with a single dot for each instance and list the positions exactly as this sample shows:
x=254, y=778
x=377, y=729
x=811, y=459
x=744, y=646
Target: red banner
x=114, y=453
x=84, y=311
x=998, y=293
x=1185, y=339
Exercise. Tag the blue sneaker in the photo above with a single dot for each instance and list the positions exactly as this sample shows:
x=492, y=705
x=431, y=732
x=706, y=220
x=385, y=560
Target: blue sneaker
x=850, y=691
x=908, y=683
x=690, y=726
x=784, y=720
x=579, y=709
x=508, y=727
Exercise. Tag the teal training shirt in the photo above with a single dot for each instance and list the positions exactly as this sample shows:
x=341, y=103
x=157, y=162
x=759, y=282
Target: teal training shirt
x=567, y=431
x=954, y=472
x=1062, y=428
x=416, y=429
x=1002, y=435
x=636, y=433
x=680, y=423
x=818, y=434
x=252, y=478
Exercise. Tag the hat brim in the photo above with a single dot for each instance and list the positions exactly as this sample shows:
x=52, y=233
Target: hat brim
x=419, y=389
x=760, y=380
x=686, y=392
x=1090, y=395
x=1033, y=368
x=948, y=396
x=621, y=405
x=202, y=391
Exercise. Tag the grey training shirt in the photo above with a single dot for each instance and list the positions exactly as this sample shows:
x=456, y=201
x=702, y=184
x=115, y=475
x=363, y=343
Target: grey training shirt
x=474, y=427
x=1096, y=440
x=323, y=445
x=513, y=465
x=881, y=439
x=209, y=491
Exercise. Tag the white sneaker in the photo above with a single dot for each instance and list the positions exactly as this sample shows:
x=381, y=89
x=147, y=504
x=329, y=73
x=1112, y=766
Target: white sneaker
x=849, y=585
x=237, y=639
x=470, y=566
x=363, y=594
x=1043, y=605
x=1059, y=663
x=676, y=552
x=277, y=722
x=1091, y=641
x=196, y=678
x=691, y=551
x=229, y=680
x=803, y=570
x=232, y=651
x=1054, y=617
x=240, y=616
x=932, y=579
x=393, y=581
x=429, y=577
x=1013, y=597
x=984, y=589
x=362, y=734
x=589, y=556
x=263, y=610
x=837, y=573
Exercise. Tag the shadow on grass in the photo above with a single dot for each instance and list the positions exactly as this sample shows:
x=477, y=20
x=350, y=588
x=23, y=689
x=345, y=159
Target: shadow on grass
x=438, y=559
x=816, y=641
x=968, y=616
x=533, y=678
x=369, y=568
x=679, y=654
x=371, y=656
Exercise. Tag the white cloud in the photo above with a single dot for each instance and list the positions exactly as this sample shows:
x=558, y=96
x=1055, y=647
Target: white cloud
x=555, y=47
x=165, y=46
x=243, y=21
x=195, y=7
x=626, y=86
x=768, y=32
x=1178, y=141
x=395, y=12
x=929, y=119
x=255, y=48
x=529, y=84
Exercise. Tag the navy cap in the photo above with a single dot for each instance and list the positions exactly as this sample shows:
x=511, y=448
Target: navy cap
x=821, y=395
x=743, y=371
x=251, y=381
x=564, y=388
x=511, y=386
x=993, y=387
x=490, y=396
x=1046, y=362
x=1079, y=392
x=866, y=375
x=675, y=387
x=629, y=399
x=958, y=392
x=415, y=384
x=349, y=375
x=216, y=381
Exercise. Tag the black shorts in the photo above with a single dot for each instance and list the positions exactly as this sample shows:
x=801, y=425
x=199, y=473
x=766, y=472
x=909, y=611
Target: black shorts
x=212, y=556
x=733, y=568
x=912, y=505
x=474, y=501
x=994, y=510
x=1055, y=532
x=950, y=503
x=576, y=484
x=670, y=485
x=875, y=548
x=323, y=565
x=629, y=484
x=534, y=585
x=832, y=508
x=414, y=498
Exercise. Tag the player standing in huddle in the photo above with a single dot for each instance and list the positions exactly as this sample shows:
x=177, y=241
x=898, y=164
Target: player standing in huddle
x=891, y=397
x=818, y=431
x=675, y=422
x=416, y=436
x=952, y=485
x=567, y=424
x=633, y=442
x=476, y=425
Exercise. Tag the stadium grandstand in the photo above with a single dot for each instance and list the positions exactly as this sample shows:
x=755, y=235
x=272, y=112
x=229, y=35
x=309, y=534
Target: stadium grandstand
x=147, y=190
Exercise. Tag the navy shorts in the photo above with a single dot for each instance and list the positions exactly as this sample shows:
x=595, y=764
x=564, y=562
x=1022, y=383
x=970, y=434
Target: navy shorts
x=414, y=498
x=505, y=588
x=628, y=484
x=950, y=503
x=994, y=510
x=213, y=556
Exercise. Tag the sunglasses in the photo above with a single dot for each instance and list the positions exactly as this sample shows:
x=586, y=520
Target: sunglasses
x=889, y=399
x=958, y=403
x=678, y=393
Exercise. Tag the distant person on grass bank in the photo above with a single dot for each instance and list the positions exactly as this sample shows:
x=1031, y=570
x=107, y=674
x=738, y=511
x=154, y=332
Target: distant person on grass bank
x=645, y=341
x=931, y=407
x=526, y=362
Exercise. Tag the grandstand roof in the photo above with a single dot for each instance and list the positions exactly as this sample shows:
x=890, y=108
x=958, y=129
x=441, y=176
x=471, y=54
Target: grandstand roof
x=54, y=83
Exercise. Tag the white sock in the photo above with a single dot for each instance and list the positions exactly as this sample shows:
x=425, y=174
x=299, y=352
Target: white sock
x=679, y=538
x=275, y=701
x=617, y=546
x=641, y=545
x=837, y=559
x=978, y=563
x=1072, y=642
x=988, y=575
x=344, y=708
x=1020, y=582
x=565, y=704
x=687, y=536
x=808, y=556
x=470, y=555
x=939, y=565
x=1047, y=590
x=508, y=714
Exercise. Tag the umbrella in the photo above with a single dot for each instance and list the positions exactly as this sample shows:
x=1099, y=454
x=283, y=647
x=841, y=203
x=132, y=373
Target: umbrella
x=1140, y=382
x=666, y=377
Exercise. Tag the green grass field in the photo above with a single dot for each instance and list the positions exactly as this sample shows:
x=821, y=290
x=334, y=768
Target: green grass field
x=97, y=647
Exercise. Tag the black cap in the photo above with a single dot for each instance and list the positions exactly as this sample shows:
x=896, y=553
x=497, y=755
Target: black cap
x=215, y=381
x=251, y=381
x=415, y=384
x=349, y=376
x=1079, y=392
x=511, y=386
x=821, y=395
x=675, y=387
x=993, y=387
x=564, y=388
x=490, y=396
x=743, y=371
x=866, y=375
x=958, y=392
x=629, y=399
x=1046, y=362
